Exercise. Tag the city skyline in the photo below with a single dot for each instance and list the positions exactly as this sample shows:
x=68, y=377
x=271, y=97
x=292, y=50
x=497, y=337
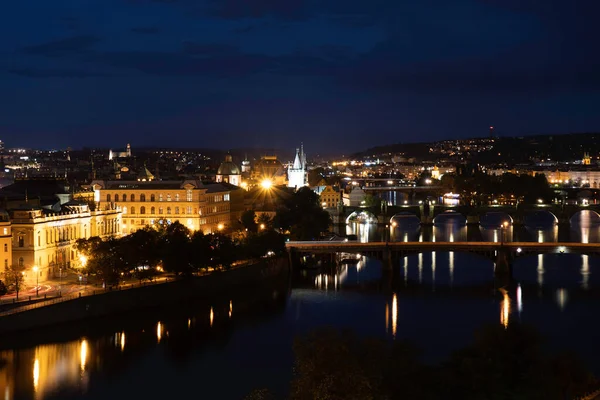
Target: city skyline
x=343, y=75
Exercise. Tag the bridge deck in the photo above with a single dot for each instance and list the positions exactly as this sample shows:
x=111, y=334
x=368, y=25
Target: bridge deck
x=319, y=246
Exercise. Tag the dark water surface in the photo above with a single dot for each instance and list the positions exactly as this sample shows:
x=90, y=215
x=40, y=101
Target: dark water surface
x=225, y=348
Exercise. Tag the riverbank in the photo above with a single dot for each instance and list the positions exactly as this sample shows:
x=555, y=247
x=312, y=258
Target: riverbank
x=140, y=298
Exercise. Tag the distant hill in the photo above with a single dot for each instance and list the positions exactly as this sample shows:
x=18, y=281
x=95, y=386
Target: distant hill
x=561, y=147
x=419, y=150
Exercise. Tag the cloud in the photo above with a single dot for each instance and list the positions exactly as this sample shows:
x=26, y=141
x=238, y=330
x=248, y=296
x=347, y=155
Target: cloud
x=63, y=47
x=146, y=30
x=55, y=73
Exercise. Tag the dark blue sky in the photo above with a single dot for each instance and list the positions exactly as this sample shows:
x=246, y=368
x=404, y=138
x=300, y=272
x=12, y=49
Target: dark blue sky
x=336, y=74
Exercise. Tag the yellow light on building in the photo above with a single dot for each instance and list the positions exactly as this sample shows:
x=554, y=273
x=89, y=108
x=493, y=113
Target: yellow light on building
x=266, y=184
x=220, y=227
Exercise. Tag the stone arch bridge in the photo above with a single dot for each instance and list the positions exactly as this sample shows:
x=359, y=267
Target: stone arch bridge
x=472, y=214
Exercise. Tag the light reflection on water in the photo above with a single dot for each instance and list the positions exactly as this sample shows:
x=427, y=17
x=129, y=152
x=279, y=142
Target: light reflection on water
x=558, y=291
x=584, y=227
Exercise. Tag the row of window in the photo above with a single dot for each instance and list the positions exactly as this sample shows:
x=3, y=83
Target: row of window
x=219, y=198
x=182, y=210
x=131, y=197
x=57, y=235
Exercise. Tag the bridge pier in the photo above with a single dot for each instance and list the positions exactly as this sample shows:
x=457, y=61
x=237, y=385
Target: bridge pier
x=503, y=270
x=387, y=269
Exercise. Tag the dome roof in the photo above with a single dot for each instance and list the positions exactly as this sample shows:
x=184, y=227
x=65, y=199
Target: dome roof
x=228, y=167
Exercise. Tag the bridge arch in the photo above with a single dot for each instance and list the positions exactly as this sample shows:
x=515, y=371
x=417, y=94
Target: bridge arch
x=451, y=217
x=540, y=218
x=365, y=217
x=404, y=218
x=585, y=217
x=495, y=219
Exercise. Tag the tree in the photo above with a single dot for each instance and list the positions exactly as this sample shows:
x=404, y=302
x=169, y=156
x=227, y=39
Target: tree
x=3, y=289
x=141, y=252
x=106, y=261
x=201, y=251
x=264, y=221
x=302, y=215
x=14, y=276
x=248, y=220
x=176, y=250
x=224, y=251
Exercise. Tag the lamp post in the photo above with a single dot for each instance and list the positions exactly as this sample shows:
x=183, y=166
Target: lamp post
x=37, y=280
x=503, y=228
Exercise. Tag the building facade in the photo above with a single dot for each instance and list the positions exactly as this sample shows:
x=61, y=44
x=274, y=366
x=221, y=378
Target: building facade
x=5, y=241
x=268, y=168
x=297, y=176
x=46, y=239
x=229, y=172
x=191, y=203
x=330, y=197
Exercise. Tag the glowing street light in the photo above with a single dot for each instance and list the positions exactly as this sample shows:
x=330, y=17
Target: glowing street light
x=220, y=227
x=83, y=259
x=262, y=226
x=266, y=184
x=37, y=280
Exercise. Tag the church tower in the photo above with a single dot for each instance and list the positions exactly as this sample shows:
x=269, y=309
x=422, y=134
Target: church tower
x=586, y=159
x=297, y=176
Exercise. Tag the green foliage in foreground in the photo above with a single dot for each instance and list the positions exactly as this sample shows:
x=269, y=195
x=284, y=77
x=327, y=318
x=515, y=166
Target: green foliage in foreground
x=500, y=364
x=174, y=249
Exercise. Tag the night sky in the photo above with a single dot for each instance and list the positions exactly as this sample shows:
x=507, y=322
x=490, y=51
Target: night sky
x=339, y=75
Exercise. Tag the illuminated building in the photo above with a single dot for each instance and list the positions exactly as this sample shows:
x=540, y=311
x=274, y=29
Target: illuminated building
x=5, y=241
x=245, y=166
x=355, y=198
x=330, y=197
x=269, y=168
x=297, y=176
x=45, y=238
x=120, y=154
x=196, y=205
x=229, y=172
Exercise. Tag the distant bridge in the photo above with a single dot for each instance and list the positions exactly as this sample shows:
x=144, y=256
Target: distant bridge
x=411, y=188
x=401, y=249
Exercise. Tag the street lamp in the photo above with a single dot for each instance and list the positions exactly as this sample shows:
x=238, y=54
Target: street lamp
x=37, y=280
x=262, y=226
x=220, y=227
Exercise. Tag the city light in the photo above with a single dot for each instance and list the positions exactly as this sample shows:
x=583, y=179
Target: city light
x=266, y=184
x=394, y=315
x=159, y=331
x=83, y=353
x=220, y=227
x=122, y=341
x=83, y=259
x=36, y=374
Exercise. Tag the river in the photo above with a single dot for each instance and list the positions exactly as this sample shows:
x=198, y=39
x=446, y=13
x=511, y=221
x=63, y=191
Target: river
x=225, y=348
